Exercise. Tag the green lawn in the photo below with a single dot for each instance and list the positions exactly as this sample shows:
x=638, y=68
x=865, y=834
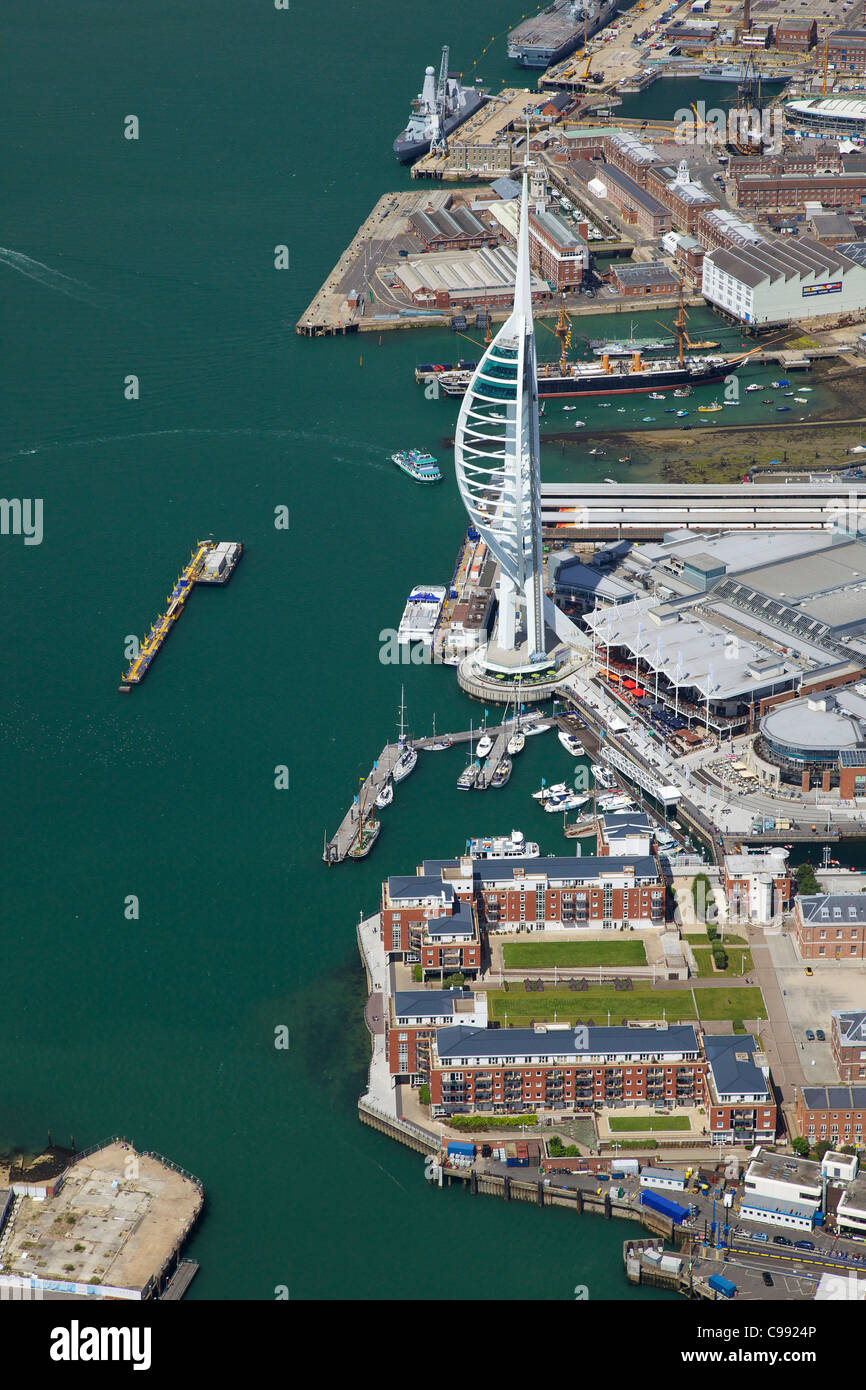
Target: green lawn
x=739, y=963
x=634, y=1122
x=592, y=1003
x=736, y=1003
x=537, y=954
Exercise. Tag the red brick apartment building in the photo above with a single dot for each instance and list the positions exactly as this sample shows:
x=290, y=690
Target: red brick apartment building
x=831, y=926
x=413, y=1019
x=831, y=1112
x=848, y=1043
x=509, y=895
x=563, y=1068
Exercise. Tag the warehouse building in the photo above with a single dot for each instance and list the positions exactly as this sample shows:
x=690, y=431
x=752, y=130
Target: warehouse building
x=634, y=204
x=464, y=279
x=451, y=229
x=636, y=278
x=779, y=281
x=846, y=50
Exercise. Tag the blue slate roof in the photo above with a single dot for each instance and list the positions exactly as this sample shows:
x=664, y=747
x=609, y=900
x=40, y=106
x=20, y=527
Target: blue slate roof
x=459, y=923
x=834, y=1097
x=426, y=1003
x=418, y=886
x=555, y=866
x=460, y=1041
x=731, y=1059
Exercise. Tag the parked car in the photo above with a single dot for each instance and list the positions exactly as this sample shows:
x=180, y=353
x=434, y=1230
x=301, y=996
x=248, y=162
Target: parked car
x=820, y=1035
x=810, y=1036
x=757, y=1235
x=782, y=1240
x=809, y=970
x=804, y=1245
x=768, y=1279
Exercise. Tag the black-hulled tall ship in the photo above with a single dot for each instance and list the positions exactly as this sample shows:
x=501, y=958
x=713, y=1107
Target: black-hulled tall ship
x=612, y=377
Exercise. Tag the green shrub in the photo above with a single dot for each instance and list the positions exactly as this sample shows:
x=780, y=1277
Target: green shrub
x=424, y=1094
x=556, y=1148
x=417, y=974
x=491, y=1121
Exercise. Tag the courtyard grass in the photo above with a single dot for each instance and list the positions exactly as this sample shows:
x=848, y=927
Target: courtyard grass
x=739, y=963
x=578, y=954
x=734, y=1003
x=629, y=1123
x=737, y=1004
x=593, y=1003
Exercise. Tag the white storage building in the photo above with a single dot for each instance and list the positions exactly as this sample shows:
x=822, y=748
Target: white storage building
x=782, y=280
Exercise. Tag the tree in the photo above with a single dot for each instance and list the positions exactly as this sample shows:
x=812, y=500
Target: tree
x=800, y=1146
x=806, y=881
x=823, y=1146
x=702, y=898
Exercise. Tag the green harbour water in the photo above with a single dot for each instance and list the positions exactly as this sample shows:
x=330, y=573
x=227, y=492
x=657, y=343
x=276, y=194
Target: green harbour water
x=155, y=258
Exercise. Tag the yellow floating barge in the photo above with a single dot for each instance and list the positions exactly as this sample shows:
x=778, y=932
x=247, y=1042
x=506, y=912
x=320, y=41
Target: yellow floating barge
x=211, y=562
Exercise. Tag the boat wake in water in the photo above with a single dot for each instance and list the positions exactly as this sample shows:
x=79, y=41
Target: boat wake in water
x=44, y=275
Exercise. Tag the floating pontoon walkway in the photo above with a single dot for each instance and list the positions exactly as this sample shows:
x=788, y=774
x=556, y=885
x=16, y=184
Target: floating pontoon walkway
x=337, y=848
x=211, y=562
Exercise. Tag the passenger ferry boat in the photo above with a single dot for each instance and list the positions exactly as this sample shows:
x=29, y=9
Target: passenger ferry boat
x=419, y=465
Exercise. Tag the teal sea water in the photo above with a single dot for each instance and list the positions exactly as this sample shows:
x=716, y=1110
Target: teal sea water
x=155, y=258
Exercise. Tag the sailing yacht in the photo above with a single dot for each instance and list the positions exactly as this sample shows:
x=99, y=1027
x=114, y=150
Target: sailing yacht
x=408, y=755
x=386, y=796
x=502, y=773
x=466, y=780
x=517, y=738
x=438, y=745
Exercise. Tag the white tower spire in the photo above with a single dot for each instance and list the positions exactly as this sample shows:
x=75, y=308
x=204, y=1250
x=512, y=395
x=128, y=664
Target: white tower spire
x=497, y=460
